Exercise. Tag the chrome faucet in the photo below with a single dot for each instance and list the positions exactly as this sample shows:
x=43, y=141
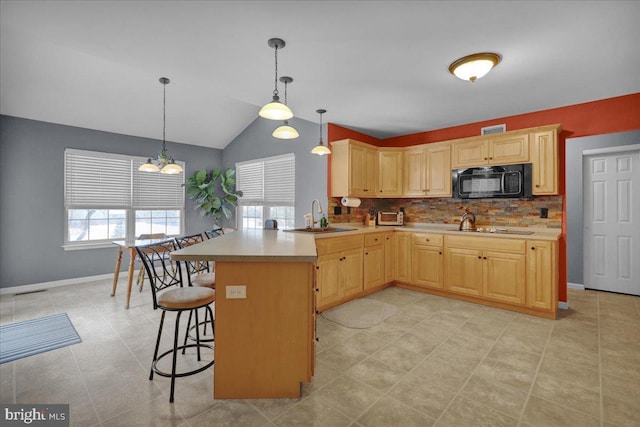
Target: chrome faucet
x=313, y=221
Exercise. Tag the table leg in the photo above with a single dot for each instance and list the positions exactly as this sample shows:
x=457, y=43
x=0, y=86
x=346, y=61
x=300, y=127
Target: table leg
x=116, y=273
x=132, y=256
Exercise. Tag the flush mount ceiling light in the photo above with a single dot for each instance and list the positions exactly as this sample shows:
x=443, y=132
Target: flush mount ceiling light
x=472, y=67
x=276, y=110
x=321, y=149
x=285, y=131
x=164, y=163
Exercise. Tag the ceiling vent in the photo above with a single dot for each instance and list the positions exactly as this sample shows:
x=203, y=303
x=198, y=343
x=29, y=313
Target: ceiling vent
x=489, y=130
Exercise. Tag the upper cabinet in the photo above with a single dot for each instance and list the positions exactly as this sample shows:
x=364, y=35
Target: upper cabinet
x=494, y=150
x=544, y=159
x=427, y=171
x=354, y=169
x=390, y=172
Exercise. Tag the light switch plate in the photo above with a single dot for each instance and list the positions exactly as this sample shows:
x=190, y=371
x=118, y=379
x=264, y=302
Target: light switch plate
x=236, y=292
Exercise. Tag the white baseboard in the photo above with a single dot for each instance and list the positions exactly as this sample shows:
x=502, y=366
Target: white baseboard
x=578, y=286
x=563, y=305
x=57, y=283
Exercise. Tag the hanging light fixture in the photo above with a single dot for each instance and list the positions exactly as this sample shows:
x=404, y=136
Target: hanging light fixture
x=321, y=149
x=472, y=67
x=275, y=110
x=285, y=131
x=163, y=163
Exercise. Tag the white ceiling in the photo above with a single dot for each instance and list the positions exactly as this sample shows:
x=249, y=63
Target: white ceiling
x=380, y=67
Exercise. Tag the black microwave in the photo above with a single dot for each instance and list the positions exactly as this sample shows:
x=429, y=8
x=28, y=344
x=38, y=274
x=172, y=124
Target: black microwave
x=509, y=181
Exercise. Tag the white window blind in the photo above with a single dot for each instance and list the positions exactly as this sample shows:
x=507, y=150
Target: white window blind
x=105, y=180
x=267, y=181
x=96, y=180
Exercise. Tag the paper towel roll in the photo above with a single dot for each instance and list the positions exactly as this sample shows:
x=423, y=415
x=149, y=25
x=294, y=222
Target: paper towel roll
x=352, y=202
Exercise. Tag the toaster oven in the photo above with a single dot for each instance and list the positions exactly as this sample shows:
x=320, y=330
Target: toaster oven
x=390, y=218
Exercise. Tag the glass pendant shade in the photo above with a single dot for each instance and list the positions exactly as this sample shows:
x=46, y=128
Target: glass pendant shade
x=171, y=168
x=275, y=110
x=148, y=167
x=321, y=149
x=285, y=132
x=475, y=66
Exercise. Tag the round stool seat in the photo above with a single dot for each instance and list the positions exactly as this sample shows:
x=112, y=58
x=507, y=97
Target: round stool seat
x=186, y=298
x=207, y=280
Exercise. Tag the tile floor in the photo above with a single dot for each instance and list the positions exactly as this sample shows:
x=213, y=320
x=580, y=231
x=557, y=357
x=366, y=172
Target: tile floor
x=437, y=362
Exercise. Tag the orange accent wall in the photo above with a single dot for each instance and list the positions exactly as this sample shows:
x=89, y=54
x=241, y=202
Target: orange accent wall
x=604, y=116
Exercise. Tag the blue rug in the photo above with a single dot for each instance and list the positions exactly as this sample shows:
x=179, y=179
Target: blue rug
x=22, y=339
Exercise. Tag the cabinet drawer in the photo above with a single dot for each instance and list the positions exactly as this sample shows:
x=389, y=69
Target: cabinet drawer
x=428, y=239
x=337, y=244
x=486, y=243
x=372, y=239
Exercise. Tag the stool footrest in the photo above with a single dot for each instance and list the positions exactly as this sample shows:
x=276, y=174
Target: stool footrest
x=181, y=374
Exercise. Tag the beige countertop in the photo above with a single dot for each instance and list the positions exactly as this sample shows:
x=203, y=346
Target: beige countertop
x=450, y=229
x=253, y=246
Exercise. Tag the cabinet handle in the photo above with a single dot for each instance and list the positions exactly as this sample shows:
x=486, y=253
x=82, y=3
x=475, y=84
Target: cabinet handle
x=533, y=248
x=375, y=240
x=366, y=253
x=537, y=185
x=317, y=289
x=479, y=257
x=317, y=339
x=485, y=258
x=388, y=238
x=381, y=191
x=490, y=158
x=317, y=267
x=485, y=158
x=424, y=191
x=426, y=240
x=439, y=253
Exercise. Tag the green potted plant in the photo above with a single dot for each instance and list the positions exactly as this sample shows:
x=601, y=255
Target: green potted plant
x=214, y=193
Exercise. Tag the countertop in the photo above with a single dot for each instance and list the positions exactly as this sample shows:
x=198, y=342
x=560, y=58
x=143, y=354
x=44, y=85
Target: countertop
x=450, y=229
x=253, y=246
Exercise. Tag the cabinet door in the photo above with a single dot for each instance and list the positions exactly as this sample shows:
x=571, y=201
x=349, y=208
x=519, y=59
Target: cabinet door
x=415, y=170
x=470, y=153
x=542, y=275
x=357, y=170
x=373, y=266
x=428, y=266
x=389, y=173
x=403, y=257
x=544, y=159
x=504, y=277
x=438, y=171
x=509, y=149
x=371, y=172
x=464, y=271
x=328, y=278
x=389, y=257
x=351, y=272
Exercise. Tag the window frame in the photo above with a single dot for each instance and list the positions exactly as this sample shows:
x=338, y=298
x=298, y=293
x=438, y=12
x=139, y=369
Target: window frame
x=131, y=208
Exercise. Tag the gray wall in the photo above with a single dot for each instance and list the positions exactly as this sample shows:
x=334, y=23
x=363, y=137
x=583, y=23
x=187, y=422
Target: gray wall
x=574, y=148
x=32, y=191
x=311, y=170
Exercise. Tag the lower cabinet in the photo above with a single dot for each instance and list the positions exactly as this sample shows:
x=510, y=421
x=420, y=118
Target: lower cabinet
x=497, y=273
x=374, y=260
x=542, y=274
x=428, y=260
x=389, y=256
x=403, y=257
x=339, y=269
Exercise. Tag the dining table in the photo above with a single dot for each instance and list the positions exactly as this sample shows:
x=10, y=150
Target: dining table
x=130, y=247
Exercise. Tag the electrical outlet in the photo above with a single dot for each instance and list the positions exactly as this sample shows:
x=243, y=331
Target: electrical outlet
x=544, y=213
x=236, y=292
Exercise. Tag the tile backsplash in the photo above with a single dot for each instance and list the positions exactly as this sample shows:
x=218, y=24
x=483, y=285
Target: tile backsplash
x=489, y=212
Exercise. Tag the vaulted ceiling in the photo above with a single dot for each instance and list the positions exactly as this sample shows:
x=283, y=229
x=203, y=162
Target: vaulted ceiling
x=379, y=67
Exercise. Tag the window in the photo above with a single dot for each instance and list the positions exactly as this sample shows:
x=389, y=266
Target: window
x=268, y=187
x=107, y=198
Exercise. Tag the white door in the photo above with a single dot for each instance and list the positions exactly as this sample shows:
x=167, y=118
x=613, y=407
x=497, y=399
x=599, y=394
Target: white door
x=612, y=220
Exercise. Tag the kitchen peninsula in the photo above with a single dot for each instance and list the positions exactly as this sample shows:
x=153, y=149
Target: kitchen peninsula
x=264, y=311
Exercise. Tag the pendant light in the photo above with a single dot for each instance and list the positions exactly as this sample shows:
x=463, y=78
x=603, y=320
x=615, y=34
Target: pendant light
x=275, y=110
x=321, y=149
x=165, y=164
x=285, y=131
x=472, y=67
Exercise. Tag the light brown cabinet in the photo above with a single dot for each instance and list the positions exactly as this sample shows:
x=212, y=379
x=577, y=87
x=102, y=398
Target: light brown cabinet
x=389, y=256
x=491, y=150
x=374, y=260
x=428, y=260
x=403, y=257
x=542, y=274
x=486, y=267
x=427, y=171
x=339, y=269
x=354, y=169
x=389, y=173
x=544, y=159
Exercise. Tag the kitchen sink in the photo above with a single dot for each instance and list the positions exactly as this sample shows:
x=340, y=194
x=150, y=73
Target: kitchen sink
x=319, y=230
x=492, y=230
